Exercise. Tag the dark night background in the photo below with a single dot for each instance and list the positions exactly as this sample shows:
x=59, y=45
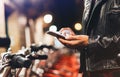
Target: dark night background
x=66, y=12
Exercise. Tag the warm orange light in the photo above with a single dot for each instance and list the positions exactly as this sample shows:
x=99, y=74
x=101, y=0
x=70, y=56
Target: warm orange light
x=78, y=26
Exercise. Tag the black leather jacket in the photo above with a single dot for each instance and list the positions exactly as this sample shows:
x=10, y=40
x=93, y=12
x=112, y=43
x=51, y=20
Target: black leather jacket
x=102, y=24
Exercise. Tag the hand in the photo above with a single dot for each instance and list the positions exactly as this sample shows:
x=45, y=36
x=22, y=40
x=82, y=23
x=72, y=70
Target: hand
x=66, y=31
x=75, y=41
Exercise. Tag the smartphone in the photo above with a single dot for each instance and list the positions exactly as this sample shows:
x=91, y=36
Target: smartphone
x=56, y=34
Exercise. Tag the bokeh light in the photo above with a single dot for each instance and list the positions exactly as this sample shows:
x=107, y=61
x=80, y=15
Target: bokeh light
x=22, y=20
x=53, y=28
x=48, y=18
x=78, y=26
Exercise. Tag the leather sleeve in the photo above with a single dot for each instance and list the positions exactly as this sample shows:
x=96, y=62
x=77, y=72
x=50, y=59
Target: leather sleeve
x=104, y=42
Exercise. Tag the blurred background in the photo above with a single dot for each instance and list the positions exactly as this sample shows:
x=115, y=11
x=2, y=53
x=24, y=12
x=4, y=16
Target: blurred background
x=25, y=22
x=38, y=16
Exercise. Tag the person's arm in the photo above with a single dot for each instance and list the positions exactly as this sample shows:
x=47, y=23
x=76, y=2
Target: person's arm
x=96, y=43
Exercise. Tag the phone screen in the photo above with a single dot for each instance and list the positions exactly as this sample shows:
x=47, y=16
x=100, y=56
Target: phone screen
x=55, y=34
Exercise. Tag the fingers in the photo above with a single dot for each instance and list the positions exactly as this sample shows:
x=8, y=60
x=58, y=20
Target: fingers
x=66, y=31
x=67, y=28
